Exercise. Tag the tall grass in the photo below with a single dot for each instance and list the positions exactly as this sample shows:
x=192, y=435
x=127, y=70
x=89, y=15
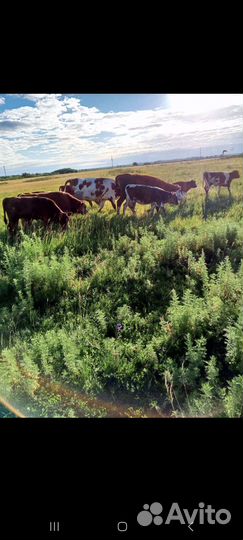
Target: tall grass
x=175, y=284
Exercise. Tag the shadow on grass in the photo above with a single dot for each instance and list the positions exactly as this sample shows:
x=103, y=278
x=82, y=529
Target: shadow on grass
x=217, y=205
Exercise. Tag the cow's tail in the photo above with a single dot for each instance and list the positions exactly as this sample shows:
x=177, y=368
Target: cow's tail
x=117, y=181
x=117, y=190
x=205, y=178
x=127, y=194
x=4, y=213
x=67, y=182
x=206, y=182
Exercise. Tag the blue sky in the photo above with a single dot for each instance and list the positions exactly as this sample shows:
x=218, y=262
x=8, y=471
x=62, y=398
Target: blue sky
x=44, y=132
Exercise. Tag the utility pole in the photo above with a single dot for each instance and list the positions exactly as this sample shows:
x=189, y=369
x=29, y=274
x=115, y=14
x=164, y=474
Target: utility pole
x=4, y=170
x=112, y=162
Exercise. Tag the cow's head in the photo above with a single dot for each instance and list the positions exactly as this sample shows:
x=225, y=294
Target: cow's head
x=192, y=184
x=63, y=220
x=235, y=174
x=72, y=182
x=180, y=196
x=172, y=197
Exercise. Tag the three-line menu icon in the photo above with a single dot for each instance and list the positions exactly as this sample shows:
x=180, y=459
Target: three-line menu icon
x=54, y=526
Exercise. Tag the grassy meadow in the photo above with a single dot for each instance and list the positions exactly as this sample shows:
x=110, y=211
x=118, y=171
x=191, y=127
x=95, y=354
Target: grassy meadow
x=175, y=283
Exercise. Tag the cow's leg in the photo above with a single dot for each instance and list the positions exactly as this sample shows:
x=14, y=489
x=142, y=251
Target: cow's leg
x=219, y=190
x=12, y=227
x=151, y=211
x=162, y=209
x=112, y=203
x=26, y=224
x=101, y=205
x=46, y=220
x=124, y=208
x=230, y=194
x=131, y=205
x=154, y=206
x=119, y=202
x=90, y=203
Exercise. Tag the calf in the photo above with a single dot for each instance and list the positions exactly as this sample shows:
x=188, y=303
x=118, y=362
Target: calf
x=186, y=186
x=98, y=190
x=141, y=194
x=29, y=208
x=220, y=179
x=66, y=202
x=122, y=180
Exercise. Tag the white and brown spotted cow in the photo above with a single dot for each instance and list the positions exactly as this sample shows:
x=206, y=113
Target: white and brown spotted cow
x=219, y=179
x=98, y=190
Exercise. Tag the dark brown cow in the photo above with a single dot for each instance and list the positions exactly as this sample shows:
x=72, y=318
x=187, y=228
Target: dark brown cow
x=66, y=202
x=122, y=180
x=69, y=189
x=141, y=194
x=220, y=179
x=186, y=186
x=29, y=208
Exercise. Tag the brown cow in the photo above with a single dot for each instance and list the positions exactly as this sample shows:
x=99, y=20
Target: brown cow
x=69, y=189
x=29, y=208
x=66, y=202
x=122, y=180
x=186, y=186
x=141, y=194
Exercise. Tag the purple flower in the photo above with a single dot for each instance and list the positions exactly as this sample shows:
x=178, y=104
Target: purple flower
x=119, y=327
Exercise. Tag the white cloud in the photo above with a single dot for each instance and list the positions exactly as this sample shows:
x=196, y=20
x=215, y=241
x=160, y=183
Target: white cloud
x=59, y=130
x=2, y=100
x=197, y=103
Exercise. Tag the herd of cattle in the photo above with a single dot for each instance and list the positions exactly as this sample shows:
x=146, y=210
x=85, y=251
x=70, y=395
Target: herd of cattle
x=56, y=207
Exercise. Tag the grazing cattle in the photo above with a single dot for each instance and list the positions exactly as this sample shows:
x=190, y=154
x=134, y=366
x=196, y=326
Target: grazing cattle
x=122, y=180
x=142, y=194
x=220, y=179
x=29, y=208
x=186, y=186
x=66, y=202
x=98, y=190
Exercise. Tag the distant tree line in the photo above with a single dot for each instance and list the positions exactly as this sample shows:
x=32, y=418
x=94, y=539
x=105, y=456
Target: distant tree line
x=31, y=175
x=67, y=170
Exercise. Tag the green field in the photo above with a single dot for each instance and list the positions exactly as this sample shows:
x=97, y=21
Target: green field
x=175, y=284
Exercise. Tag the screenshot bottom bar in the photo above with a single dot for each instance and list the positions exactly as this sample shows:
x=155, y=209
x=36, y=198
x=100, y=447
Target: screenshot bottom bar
x=93, y=526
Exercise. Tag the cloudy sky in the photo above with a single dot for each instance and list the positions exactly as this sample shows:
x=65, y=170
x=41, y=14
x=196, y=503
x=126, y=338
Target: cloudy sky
x=44, y=132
